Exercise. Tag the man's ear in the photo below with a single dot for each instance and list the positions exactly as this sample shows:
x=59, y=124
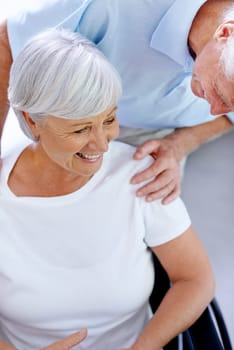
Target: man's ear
x=224, y=31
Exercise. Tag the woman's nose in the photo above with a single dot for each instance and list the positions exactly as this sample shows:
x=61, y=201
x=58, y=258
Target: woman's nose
x=99, y=140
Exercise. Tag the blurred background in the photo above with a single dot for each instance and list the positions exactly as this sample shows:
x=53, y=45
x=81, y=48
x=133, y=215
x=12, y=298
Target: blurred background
x=8, y=7
x=208, y=193
x=207, y=190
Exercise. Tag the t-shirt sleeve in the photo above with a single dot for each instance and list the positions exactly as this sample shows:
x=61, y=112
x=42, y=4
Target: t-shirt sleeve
x=49, y=14
x=231, y=116
x=164, y=222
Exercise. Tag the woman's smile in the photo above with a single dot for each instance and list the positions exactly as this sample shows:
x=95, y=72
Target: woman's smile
x=89, y=157
x=76, y=146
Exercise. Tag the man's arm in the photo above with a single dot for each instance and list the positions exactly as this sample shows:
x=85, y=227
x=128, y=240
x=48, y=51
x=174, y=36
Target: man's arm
x=5, y=64
x=187, y=140
x=168, y=152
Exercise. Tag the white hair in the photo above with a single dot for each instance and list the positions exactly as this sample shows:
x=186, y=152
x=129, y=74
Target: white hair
x=227, y=59
x=62, y=74
x=228, y=14
x=227, y=55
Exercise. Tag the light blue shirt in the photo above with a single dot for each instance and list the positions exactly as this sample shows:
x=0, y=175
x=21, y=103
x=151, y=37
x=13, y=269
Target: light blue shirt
x=147, y=43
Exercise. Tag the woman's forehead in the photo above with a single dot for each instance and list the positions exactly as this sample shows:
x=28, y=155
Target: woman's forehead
x=81, y=121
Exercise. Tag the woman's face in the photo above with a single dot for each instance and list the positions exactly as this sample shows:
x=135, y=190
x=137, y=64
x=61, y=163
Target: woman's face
x=77, y=146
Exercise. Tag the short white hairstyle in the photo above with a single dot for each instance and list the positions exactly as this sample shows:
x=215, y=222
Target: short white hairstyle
x=60, y=73
x=227, y=55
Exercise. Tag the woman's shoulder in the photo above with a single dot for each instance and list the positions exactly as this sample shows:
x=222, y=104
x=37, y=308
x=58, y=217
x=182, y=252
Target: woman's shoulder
x=10, y=156
x=13, y=151
x=120, y=157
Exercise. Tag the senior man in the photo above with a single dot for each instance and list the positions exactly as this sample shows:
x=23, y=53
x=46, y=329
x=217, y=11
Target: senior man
x=153, y=45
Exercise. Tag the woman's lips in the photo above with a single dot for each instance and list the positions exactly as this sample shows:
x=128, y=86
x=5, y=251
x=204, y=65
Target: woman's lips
x=89, y=157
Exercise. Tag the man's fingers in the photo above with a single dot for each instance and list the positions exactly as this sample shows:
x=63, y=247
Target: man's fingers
x=163, y=193
x=146, y=149
x=163, y=175
x=146, y=174
x=159, y=166
x=157, y=169
x=160, y=182
x=69, y=342
x=172, y=196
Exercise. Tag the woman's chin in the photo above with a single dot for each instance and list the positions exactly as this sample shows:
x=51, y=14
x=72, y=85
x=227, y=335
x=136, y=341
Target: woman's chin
x=88, y=167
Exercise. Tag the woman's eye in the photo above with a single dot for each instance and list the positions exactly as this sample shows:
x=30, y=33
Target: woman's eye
x=81, y=131
x=109, y=121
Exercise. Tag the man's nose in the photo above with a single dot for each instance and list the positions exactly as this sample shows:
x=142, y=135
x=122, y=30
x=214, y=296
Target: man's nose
x=217, y=108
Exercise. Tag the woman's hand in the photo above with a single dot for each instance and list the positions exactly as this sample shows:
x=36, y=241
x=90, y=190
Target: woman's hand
x=67, y=343
x=63, y=344
x=6, y=346
x=165, y=170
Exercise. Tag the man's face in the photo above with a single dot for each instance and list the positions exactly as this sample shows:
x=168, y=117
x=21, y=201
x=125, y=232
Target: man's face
x=209, y=81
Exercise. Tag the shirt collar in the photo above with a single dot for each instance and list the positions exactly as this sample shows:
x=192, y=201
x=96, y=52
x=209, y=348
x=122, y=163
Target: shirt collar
x=171, y=35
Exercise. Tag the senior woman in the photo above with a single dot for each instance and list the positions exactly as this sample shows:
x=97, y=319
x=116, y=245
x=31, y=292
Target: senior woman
x=76, y=243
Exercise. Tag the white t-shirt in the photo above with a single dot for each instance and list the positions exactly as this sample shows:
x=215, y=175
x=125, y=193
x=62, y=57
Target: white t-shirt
x=82, y=259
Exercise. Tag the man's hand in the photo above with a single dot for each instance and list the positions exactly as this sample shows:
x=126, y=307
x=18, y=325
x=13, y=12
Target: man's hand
x=168, y=153
x=64, y=344
x=165, y=170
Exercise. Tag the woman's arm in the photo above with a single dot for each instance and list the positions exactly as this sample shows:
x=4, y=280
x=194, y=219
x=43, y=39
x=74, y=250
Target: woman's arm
x=189, y=270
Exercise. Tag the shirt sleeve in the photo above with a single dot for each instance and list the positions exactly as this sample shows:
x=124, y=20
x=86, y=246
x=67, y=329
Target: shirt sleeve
x=165, y=222
x=50, y=14
x=231, y=116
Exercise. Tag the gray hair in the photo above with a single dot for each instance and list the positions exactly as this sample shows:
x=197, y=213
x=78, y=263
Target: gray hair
x=62, y=74
x=227, y=59
x=227, y=55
